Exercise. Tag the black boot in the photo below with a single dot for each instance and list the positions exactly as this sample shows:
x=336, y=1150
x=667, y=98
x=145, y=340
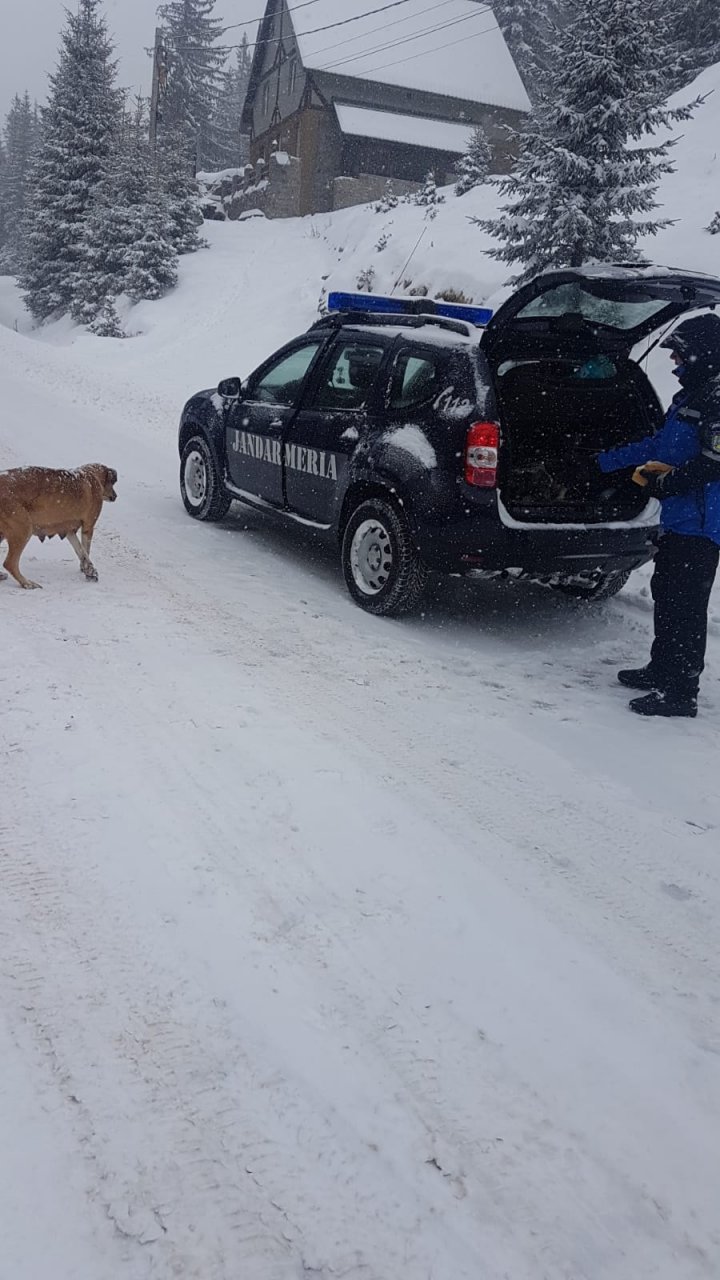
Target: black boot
x=661, y=704
x=638, y=678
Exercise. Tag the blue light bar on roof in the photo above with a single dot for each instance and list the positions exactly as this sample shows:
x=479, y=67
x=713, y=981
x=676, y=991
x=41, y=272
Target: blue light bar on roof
x=376, y=304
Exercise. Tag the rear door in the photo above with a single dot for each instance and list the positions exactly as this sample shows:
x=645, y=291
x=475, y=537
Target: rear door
x=341, y=402
x=431, y=398
x=569, y=314
x=257, y=424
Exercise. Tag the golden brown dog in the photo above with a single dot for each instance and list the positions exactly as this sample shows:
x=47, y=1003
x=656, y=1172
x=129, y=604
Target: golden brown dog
x=49, y=504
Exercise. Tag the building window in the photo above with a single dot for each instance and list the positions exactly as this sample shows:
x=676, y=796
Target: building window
x=293, y=75
x=265, y=99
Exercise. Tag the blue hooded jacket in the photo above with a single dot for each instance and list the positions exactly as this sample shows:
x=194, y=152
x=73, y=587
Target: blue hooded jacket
x=689, y=438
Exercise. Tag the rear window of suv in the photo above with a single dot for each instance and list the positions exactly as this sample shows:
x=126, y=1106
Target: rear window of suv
x=415, y=379
x=572, y=300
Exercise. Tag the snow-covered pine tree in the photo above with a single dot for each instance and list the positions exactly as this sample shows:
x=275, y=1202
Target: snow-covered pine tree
x=195, y=76
x=695, y=25
x=388, y=200
x=3, y=215
x=128, y=241
x=19, y=143
x=175, y=160
x=107, y=323
x=232, y=145
x=529, y=30
x=72, y=158
x=151, y=260
x=427, y=196
x=473, y=168
x=584, y=187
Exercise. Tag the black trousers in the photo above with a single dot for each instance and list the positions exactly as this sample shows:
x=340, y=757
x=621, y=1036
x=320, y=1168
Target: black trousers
x=685, y=569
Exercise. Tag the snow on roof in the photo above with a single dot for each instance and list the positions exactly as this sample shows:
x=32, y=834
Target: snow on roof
x=455, y=49
x=430, y=333
x=416, y=131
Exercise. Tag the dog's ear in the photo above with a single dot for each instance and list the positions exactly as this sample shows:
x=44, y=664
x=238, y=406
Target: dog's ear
x=111, y=475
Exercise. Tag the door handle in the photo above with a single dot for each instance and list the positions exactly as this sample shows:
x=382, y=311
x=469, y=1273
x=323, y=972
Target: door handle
x=277, y=422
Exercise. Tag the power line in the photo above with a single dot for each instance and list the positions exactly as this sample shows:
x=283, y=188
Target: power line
x=251, y=22
x=394, y=44
x=396, y=22
x=451, y=44
x=331, y=26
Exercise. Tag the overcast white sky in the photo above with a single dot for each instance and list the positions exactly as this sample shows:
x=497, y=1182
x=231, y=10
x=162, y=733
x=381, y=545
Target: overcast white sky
x=29, y=39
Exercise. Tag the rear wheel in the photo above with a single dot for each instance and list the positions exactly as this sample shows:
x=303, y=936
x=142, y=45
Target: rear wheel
x=606, y=586
x=382, y=566
x=200, y=485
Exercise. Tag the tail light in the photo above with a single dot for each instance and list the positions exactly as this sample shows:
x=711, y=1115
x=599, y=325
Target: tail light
x=481, y=455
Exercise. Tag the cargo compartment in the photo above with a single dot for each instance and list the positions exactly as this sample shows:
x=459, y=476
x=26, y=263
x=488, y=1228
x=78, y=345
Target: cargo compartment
x=556, y=417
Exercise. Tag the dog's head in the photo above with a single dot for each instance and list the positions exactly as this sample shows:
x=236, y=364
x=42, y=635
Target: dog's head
x=106, y=477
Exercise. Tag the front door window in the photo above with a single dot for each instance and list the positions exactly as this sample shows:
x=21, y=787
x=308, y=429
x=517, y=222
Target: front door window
x=282, y=383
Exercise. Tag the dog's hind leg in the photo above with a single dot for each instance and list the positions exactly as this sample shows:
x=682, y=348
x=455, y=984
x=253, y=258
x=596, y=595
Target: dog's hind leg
x=17, y=540
x=86, y=565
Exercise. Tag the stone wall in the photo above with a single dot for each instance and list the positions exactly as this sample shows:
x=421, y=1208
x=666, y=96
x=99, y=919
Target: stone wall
x=273, y=190
x=367, y=187
x=276, y=190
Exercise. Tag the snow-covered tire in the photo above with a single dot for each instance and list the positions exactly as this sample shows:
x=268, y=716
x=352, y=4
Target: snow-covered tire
x=381, y=563
x=604, y=589
x=200, y=485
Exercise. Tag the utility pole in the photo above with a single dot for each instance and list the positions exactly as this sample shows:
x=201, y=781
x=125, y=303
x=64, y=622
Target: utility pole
x=159, y=83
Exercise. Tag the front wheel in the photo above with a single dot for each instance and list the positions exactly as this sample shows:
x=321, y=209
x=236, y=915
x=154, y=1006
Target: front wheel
x=606, y=586
x=200, y=485
x=382, y=566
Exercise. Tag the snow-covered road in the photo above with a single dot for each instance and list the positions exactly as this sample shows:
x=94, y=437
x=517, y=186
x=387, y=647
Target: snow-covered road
x=333, y=946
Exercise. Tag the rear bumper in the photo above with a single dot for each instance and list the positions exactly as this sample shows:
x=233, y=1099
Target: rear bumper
x=481, y=541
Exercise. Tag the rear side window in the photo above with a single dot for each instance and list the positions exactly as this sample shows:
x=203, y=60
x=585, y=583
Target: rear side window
x=442, y=380
x=348, y=376
x=416, y=378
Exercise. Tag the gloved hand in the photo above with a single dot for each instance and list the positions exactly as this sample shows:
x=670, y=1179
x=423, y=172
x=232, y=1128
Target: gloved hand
x=650, y=477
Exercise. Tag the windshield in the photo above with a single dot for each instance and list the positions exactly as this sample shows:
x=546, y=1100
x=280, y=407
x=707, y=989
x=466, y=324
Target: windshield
x=573, y=300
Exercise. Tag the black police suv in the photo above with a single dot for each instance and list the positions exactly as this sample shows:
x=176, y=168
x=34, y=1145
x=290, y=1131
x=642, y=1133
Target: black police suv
x=426, y=443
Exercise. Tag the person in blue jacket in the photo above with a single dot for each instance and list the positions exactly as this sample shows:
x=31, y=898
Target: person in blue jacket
x=681, y=466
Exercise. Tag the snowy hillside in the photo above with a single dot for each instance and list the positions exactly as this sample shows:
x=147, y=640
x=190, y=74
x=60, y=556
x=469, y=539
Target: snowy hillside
x=336, y=947
x=451, y=254
x=403, y=249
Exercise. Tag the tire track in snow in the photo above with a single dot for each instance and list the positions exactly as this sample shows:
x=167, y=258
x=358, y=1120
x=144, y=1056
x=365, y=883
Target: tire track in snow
x=210, y=1185
x=186, y=1191
x=567, y=846
x=442, y=1111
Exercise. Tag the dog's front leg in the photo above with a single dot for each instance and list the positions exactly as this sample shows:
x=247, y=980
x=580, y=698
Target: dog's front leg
x=86, y=565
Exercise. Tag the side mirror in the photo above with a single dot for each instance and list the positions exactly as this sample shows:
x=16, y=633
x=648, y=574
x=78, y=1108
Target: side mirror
x=231, y=389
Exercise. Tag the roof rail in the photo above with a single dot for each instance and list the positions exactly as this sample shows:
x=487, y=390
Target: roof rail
x=393, y=320
x=378, y=304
